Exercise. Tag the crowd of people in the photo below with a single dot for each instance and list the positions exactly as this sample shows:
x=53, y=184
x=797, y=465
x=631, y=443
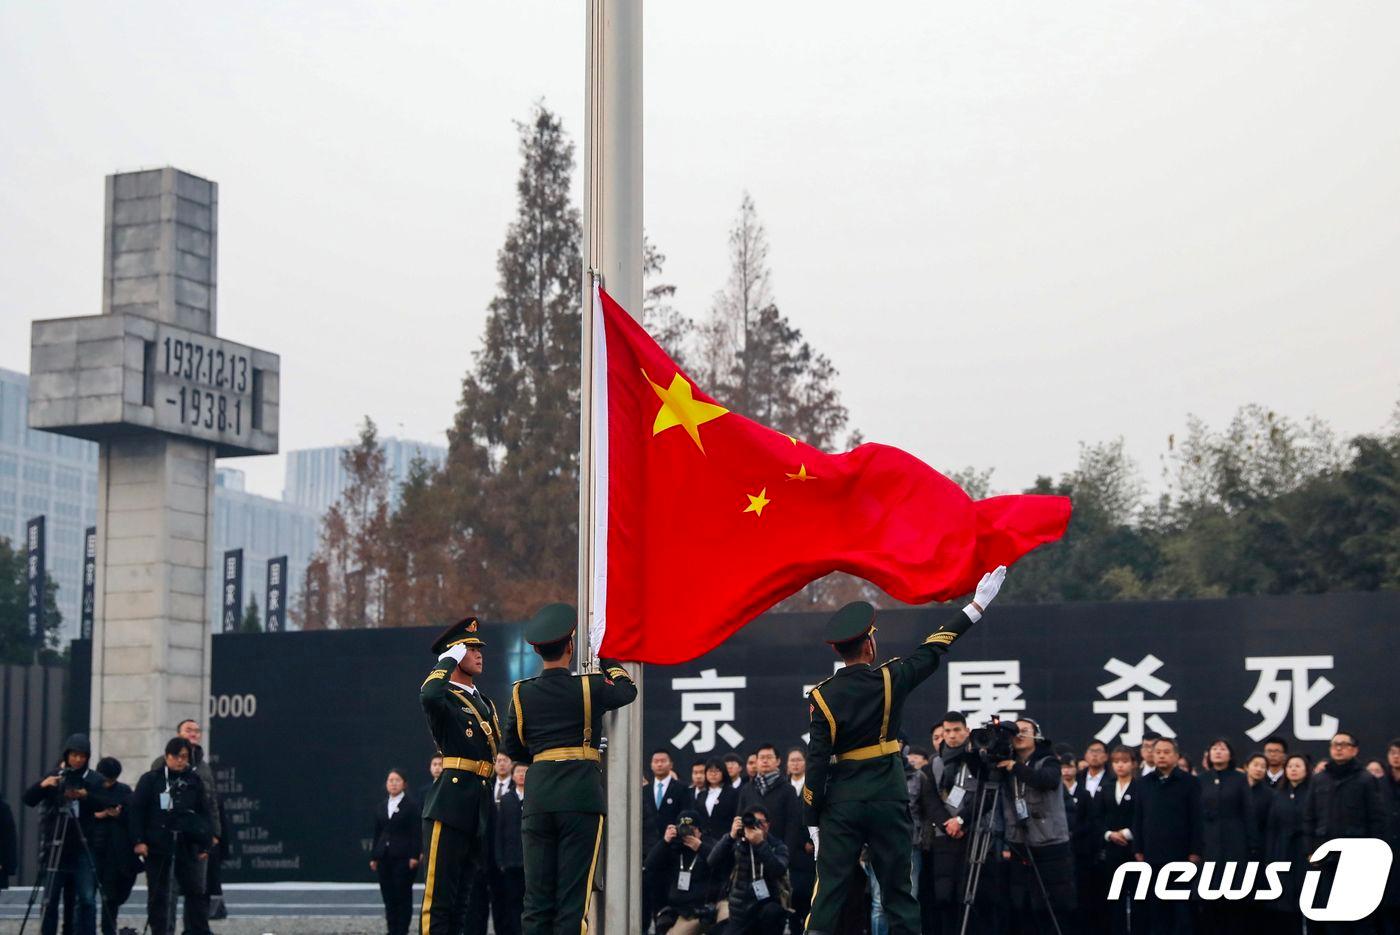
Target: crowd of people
x=728, y=849
x=99, y=835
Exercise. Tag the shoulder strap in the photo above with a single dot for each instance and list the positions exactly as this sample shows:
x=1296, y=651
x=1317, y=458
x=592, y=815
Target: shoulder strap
x=885, y=721
x=587, y=712
x=830, y=720
x=519, y=715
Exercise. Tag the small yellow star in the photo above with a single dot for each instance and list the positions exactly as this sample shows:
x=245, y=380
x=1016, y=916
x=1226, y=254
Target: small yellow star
x=757, y=503
x=680, y=407
x=801, y=474
x=788, y=437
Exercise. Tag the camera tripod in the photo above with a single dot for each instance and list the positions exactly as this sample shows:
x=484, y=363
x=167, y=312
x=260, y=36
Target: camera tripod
x=980, y=843
x=64, y=820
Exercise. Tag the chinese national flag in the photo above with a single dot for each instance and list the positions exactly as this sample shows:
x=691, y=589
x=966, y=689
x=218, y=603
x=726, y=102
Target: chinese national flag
x=704, y=519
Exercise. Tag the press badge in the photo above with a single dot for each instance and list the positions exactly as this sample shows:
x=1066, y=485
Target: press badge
x=955, y=797
x=165, y=801
x=760, y=889
x=683, y=881
x=1022, y=813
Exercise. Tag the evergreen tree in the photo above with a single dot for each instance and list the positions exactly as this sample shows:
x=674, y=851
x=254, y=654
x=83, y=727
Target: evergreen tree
x=17, y=645
x=252, y=617
x=513, y=448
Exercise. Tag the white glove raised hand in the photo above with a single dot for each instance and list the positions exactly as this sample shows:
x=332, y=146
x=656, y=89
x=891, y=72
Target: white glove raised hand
x=988, y=587
x=455, y=653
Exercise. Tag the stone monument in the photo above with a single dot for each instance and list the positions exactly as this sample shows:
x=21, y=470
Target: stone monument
x=148, y=380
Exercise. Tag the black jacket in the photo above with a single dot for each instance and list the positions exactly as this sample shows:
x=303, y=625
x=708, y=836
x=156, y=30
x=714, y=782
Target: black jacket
x=9, y=844
x=1284, y=839
x=1110, y=815
x=400, y=837
x=1079, y=807
x=155, y=827
x=716, y=825
x=52, y=799
x=1167, y=821
x=737, y=860
x=784, y=811
x=111, y=838
x=1345, y=803
x=670, y=858
x=675, y=799
x=1227, y=818
x=507, y=844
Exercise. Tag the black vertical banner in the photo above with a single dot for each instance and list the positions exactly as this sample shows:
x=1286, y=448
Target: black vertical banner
x=314, y=597
x=275, y=617
x=233, y=590
x=89, y=580
x=35, y=578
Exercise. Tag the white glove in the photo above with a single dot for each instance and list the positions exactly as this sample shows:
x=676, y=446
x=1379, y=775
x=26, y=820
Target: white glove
x=988, y=587
x=816, y=839
x=458, y=653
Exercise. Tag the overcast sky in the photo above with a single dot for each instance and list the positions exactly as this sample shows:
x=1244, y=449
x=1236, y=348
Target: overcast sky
x=1014, y=227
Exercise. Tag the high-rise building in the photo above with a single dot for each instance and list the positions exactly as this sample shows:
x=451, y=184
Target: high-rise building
x=42, y=474
x=315, y=478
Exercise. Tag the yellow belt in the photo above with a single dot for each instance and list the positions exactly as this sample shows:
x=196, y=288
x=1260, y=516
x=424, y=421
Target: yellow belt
x=868, y=753
x=480, y=767
x=559, y=754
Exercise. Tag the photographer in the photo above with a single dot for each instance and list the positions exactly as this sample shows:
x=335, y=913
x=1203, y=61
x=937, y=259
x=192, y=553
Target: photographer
x=71, y=795
x=117, y=864
x=1038, y=848
x=681, y=858
x=170, y=824
x=210, y=870
x=759, y=893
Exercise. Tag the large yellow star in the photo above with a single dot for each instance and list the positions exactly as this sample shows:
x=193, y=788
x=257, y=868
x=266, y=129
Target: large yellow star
x=679, y=407
x=801, y=474
x=757, y=503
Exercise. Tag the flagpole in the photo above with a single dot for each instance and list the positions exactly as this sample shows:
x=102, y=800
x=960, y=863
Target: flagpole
x=612, y=225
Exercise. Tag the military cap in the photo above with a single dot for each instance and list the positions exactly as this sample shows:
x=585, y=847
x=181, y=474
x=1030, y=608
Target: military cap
x=855, y=620
x=552, y=623
x=463, y=631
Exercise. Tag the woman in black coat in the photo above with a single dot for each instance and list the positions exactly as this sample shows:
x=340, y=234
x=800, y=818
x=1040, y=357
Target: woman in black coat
x=1284, y=840
x=1228, y=830
x=398, y=846
x=718, y=804
x=1113, y=822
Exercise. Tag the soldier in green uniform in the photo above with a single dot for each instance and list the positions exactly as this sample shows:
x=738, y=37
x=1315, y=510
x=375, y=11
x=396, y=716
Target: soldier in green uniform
x=554, y=722
x=856, y=793
x=466, y=730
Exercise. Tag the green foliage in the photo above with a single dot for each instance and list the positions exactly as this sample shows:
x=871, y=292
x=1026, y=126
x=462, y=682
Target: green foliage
x=17, y=645
x=252, y=618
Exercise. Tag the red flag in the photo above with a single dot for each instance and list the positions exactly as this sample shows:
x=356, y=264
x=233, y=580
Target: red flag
x=711, y=518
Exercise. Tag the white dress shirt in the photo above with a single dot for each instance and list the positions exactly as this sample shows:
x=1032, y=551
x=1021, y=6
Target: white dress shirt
x=394, y=801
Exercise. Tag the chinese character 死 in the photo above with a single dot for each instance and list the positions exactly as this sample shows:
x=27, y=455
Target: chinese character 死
x=707, y=707
x=1275, y=694
x=1132, y=713
x=981, y=690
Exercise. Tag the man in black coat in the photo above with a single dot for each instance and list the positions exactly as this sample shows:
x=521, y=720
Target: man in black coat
x=507, y=858
x=681, y=859
x=170, y=823
x=663, y=799
x=1345, y=802
x=117, y=863
x=71, y=795
x=772, y=793
x=1167, y=826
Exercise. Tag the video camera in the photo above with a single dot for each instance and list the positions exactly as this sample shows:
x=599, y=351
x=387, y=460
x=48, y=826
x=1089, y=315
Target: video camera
x=70, y=778
x=685, y=827
x=987, y=746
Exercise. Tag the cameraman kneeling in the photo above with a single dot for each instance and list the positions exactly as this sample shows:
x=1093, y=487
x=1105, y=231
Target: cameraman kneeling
x=759, y=892
x=682, y=858
x=71, y=795
x=170, y=825
x=1037, y=833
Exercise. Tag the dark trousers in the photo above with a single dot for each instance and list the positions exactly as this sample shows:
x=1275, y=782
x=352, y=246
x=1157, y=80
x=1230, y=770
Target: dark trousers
x=186, y=869
x=452, y=862
x=480, y=892
x=396, y=886
x=846, y=827
x=1034, y=873
x=561, y=856
x=507, y=899
x=801, y=897
x=769, y=918
x=74, y=893
x=116, y=889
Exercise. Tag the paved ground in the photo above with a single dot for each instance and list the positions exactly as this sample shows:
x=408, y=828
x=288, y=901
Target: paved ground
x=272, y=909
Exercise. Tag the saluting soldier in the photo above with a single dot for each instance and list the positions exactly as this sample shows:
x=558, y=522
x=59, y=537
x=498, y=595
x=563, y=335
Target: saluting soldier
x=856, y=793
x=554, y=722
x=466, y=730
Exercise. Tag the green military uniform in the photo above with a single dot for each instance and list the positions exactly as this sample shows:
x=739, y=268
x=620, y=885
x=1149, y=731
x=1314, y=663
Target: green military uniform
x=856, y=793
x=465, y=729
x=554, y=722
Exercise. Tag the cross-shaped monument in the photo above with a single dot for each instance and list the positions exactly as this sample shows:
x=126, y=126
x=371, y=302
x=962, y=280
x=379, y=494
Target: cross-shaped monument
x=163, y=397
